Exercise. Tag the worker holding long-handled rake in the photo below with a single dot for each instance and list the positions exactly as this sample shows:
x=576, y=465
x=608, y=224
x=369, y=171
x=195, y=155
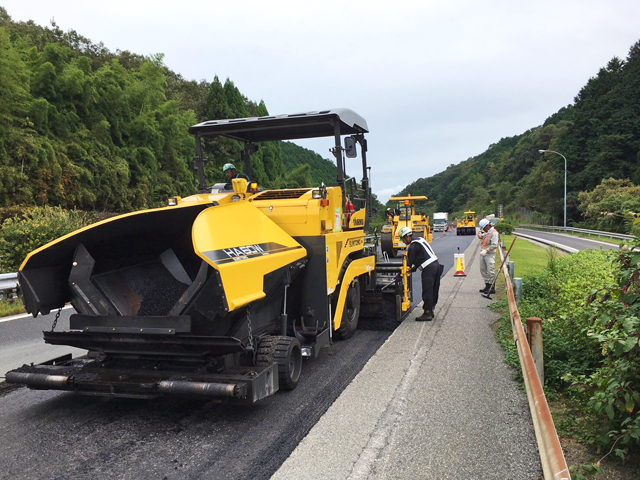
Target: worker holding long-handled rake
x=492, y=288
x=488, y=245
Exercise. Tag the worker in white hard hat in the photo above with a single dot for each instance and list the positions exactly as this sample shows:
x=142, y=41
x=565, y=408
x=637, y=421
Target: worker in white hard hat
x=420, y=256
x=230, y=173
x=489, y=239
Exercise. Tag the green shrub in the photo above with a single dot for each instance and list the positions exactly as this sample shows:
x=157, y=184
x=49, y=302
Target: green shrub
x=35, y=227
x=591, y=340
x=9, y=212
x=567, y=349
x=558, y=295
x=612, y=393
x=581, y=272
x=504, y=227
x=535, y=286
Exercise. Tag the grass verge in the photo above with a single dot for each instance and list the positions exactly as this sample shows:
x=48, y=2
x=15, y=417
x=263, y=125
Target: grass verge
x=527, y=257
x=11, y=308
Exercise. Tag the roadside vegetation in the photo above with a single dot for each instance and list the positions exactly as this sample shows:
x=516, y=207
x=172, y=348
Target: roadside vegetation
x=590, y=304
x=30, y=228
x=86, y=128
x=8, y=308
x=22, y=230
x=613, y=206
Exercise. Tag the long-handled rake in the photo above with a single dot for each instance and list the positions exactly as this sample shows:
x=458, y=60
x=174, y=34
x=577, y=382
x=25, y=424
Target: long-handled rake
x=488, y=294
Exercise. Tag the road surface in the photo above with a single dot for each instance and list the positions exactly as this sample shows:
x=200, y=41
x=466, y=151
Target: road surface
x=572, y=241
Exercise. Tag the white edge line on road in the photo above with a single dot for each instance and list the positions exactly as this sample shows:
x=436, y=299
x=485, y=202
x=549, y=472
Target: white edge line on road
x=547, y=242
x=24, y=315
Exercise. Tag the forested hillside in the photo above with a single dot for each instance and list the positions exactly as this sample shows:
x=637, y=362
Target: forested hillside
x=82, y=127
x=599, y=134
x=321, y=170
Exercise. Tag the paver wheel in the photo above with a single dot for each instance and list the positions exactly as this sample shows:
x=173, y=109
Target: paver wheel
x=351, y=312
x=286, y=351
x=386, y=243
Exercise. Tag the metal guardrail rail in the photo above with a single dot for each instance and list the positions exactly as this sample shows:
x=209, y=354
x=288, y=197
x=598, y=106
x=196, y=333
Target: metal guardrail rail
x=554, y=465
x=599, y=233
x=8, y=281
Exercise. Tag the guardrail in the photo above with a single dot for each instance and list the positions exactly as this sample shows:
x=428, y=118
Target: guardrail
x=554, y=465
x=8, y=285
x=598, y=233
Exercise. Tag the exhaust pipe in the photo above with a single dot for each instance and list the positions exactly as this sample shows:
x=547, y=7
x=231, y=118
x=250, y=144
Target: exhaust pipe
x=59, y=382
x=207, y=389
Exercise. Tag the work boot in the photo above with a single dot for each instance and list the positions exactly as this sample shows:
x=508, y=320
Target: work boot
x=493, y=289
x=485, y=290
x=426, y=316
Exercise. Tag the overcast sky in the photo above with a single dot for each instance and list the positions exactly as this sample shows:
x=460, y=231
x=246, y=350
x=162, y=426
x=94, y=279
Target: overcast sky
x=438, y=81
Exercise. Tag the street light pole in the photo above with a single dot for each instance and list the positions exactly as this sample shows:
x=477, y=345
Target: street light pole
x=565, y=182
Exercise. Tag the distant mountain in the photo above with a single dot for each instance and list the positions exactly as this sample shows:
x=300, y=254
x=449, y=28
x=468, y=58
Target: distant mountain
x=322, y=169
x=599, y=135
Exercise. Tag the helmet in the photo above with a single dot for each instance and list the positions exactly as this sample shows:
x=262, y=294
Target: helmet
x=405, y=231
x=483, y=223
x=228, y=166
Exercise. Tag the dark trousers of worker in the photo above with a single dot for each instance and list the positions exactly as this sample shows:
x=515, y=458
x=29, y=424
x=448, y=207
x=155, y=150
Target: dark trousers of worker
x=431, y=284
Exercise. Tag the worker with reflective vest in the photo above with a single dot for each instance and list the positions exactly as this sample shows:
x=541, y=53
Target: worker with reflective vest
x=420, y=256
x=489, y=239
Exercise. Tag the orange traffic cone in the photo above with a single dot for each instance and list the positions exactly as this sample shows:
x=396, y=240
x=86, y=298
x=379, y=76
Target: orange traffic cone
x=459, y=265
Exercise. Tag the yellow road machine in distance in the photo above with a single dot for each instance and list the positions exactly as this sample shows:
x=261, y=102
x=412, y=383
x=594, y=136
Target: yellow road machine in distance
x=218, y=295
x=404, y=215
x=466, y=226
